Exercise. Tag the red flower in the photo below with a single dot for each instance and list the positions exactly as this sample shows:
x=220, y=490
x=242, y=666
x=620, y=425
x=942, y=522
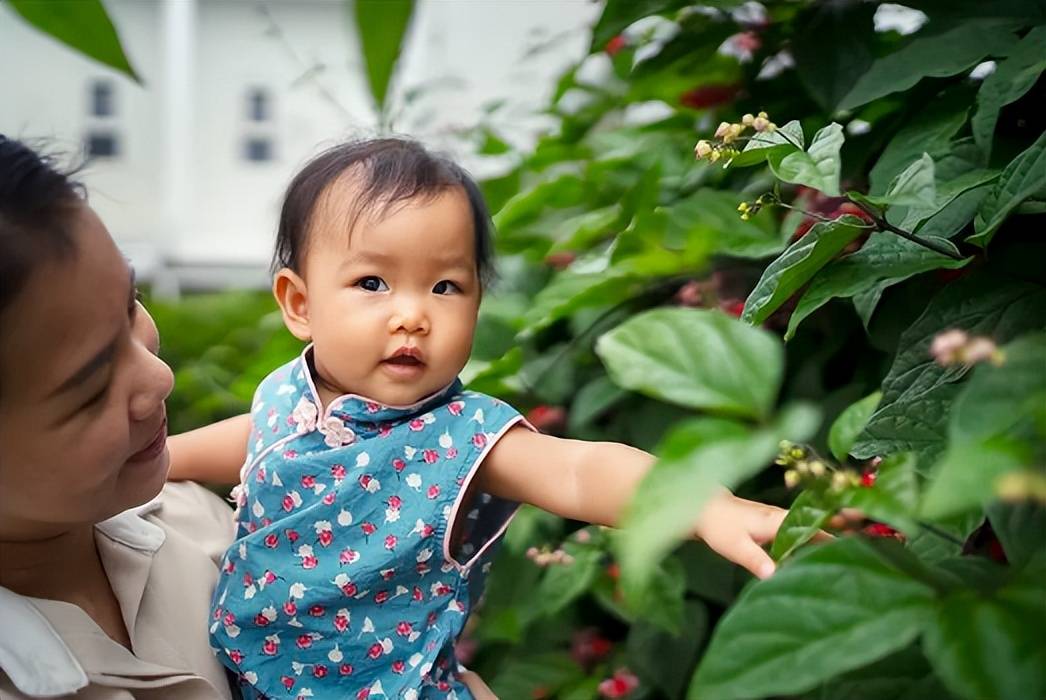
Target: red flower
x=395, y=502
x=381, y=597
x=287, y=681
x=561, y=259
x=398, y=464
x=430, y=456
x=308, y=481
x=881, y=530
x=290, y=608
x=271, y=540
x=398, y=667
x=706, y=96
x=433, y=491
x=317, y=611
x=619, y=685
x=868, y=479
x=368, y=529
x=374, y=651
x=304, y=641
x=390, y=542
x=404, y=629
x=338, y=471
x=319, y=671
x=547, y=419
x=734, y=307
x=326, y=537
x=345, y=669
x=615, y=45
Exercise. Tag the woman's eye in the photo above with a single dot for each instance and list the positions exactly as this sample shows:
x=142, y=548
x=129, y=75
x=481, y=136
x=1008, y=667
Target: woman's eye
x=372, y=284
x=446, y=287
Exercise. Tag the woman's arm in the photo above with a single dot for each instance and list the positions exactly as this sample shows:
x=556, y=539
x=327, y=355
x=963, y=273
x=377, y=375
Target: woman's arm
x=213, y=453
x=594, y=482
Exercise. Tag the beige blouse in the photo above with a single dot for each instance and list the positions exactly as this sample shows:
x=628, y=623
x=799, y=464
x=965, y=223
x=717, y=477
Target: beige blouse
x=161, y=559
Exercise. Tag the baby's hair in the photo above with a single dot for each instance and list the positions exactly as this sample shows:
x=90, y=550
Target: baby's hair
x=388, y=171
x=37, y=204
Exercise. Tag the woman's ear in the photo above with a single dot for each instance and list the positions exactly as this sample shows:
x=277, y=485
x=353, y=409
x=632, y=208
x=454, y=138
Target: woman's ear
x=293, y=297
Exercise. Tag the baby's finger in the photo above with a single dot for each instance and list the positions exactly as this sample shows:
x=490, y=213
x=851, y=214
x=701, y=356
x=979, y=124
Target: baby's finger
x=745, y=552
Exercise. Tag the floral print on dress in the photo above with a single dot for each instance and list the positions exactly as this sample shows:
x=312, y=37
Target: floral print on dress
x=341, y=583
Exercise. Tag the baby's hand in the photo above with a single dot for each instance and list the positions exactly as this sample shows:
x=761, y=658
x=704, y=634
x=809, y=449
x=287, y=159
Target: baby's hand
x=735, y=528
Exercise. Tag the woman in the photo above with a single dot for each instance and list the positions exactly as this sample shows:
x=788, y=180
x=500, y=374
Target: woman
x=105, y=573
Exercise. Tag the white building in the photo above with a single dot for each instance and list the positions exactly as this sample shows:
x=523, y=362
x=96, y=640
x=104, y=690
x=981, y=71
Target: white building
x=188, y=169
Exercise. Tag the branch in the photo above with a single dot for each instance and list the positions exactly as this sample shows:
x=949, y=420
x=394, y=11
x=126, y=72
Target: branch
x=885, y=225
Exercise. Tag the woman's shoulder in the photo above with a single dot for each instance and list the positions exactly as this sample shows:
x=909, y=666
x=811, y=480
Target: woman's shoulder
x=196, y=513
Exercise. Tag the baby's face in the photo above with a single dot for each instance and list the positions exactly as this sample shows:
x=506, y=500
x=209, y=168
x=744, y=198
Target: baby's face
x=405, y=281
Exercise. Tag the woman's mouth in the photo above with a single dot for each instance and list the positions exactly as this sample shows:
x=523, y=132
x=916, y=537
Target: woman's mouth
x=155, y=448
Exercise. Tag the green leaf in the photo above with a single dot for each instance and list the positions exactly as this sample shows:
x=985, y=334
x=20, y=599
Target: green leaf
x=698, y=358
x=913, y=187
x=771, y=145
x=832, y=44
x=592, y=400
x=905, y=675
x=948, y=192
x=990, y=646
x=618, y=14
x=930, y=131
x=807, y=515
x=657, y=598
x=564, y=583
x=818, y=166
x=894, y=497
x=663, y=660
x=381, y=26
x=1021, y=179
x=800, y=262
x=835, y=608
x=849, y=424
x=1021, y=529
x=521, y=675
x=917, y=392
x=697, y=459
x=992, y=428
x=712, y=214
x=571, y=291
x=936, y=52
x=82, y=25
x=884, y=260
x=1010, y=81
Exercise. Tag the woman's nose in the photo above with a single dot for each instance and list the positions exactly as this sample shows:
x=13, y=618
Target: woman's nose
x=152, y=385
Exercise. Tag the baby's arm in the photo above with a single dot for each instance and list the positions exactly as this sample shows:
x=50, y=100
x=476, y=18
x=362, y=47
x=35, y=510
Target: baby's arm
x=594, y=482
x=213, y=453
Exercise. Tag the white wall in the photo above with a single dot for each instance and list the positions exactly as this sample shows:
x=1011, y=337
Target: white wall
x=215, y=228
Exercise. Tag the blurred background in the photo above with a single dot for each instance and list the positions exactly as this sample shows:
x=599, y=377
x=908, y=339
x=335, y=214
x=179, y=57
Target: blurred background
x=187, y=165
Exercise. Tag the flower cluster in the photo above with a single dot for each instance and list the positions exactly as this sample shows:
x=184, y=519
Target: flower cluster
x=728, y=134
x=620, y=685
x=546, y=557
x=803, y=467
x=750, y=209
x=957, y=347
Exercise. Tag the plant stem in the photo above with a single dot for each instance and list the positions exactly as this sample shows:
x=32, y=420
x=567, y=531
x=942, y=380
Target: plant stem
x=940, y=533
x=885, y=225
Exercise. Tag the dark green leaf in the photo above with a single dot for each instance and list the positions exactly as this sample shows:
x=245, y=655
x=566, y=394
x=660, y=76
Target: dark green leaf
x=1022, y=178
x=657, y=598
x=913, y=187
x=82, y=25
x=948, y=192
x=849, y=424
x=808, y=514
x=930, y=131
x=832, y=46
x=521, y=675
x=834, y=608
x=381, y=26
x=905, y=675
x=798, y=264
x=664, y=660
x=1010, y=81
x=991, y=646
x=894, y=497
x=1021, y=529
x=571, y=291
x=884, y=260
x=592, y=400
x=917, y=392
x=696, y=460
x=697, y=358
x=936, y=52
x=818, y=166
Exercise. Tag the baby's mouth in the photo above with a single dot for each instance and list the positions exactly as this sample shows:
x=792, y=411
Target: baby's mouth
x=405, y=360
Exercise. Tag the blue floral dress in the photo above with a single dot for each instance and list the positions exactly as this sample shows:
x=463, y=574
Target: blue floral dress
x=342, y=582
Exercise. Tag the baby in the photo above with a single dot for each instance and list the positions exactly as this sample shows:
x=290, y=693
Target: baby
x=375, y=486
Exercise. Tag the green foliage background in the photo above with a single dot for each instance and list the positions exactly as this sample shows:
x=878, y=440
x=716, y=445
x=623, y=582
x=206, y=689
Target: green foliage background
x=610, y=235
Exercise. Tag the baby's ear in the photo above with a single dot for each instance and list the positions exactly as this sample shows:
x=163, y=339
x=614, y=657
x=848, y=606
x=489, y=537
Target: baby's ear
x=293, y=297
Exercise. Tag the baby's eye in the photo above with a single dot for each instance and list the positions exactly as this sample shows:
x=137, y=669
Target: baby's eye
x=372, y=284
x=446, y=287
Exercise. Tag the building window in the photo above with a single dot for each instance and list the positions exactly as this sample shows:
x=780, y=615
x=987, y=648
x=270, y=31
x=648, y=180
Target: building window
x=102, y=144
x=258, y=149
x=102, y=99
x=259, y=107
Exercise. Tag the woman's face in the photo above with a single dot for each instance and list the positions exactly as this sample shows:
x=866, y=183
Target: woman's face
x=82, y=423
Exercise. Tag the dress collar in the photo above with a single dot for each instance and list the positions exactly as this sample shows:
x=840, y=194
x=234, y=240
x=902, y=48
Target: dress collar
x=32, y=653
x=353, y=408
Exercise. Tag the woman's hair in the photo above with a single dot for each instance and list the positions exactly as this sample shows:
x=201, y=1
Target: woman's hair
x=37, y=204
x=387, y=172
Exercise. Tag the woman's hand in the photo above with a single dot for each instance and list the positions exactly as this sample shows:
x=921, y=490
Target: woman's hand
x=736, y=528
